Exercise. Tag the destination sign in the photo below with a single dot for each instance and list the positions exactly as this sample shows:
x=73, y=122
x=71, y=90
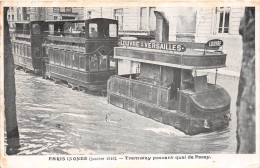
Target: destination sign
x=153, y=45
x=214, y=43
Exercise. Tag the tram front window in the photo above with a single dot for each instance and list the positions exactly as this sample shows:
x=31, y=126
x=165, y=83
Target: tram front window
x=36, y=28
x=186, y=79
x=112, y=30
x=93, y=30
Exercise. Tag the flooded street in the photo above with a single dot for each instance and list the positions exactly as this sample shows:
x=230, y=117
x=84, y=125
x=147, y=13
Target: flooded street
x=54, y=119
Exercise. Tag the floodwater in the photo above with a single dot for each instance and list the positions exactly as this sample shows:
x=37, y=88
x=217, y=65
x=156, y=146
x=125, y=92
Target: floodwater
x=54, y=119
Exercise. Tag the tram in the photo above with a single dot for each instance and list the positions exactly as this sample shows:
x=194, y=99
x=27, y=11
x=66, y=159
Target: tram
x=80, y=52
x=27, y=45
x=165, y=87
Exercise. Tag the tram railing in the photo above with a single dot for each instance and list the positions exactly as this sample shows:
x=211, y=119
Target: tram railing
x=140, y=90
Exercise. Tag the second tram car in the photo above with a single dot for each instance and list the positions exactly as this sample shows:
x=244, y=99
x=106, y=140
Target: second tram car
x=80, y=52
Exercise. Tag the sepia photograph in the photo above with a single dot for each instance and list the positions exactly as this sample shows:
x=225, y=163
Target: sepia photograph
x=137, y=83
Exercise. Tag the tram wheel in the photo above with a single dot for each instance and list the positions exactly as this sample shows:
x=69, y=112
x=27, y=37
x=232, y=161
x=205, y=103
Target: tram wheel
x=18, y=67
x=81, y=88
x=37, y=72
x=26, y=70
x=69, y=85
x=56, y=81
x=75, y=88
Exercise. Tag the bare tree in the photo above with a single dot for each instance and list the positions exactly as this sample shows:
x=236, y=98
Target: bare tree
x=10, y=93
x=246, y=92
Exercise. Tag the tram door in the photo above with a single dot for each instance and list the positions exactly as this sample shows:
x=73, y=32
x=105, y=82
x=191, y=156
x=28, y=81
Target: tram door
x=100, y=45
x=95, y=57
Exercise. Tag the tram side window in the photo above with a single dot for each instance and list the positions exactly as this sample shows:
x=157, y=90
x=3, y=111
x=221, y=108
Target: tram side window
x=93, y=62
x=25, y=51
x=82, y=62
x=112, y=30
x=75, y=61
x=62, y=57
x=14, y=48
x=22, y=28
x=112, y=62
x=20, y=49
x=22, y=53
x=103, y=62
x=29, y=51
x=93, y=30
x=46, y=51
x=68, y=59
x=17, y=48
x=57, y=57
x=51, y=56
x=56, y=29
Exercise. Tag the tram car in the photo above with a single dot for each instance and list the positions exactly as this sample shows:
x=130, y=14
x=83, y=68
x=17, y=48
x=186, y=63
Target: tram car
x=165, y=87
x=27, y=45
x=80, y=52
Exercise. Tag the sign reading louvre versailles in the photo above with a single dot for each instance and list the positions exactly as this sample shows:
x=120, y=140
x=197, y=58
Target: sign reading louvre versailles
x=153, y=45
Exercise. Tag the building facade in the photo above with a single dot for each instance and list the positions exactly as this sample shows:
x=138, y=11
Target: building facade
x=222, y=23
x=186, y=24
x=64, y=13
x=45, y=13
x=134, y=21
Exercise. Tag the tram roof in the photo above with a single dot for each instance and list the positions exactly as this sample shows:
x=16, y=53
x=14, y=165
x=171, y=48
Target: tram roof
x=25, y=22
x=53, y=21
x=64, y=21
x=189, y=59
x=82, y=20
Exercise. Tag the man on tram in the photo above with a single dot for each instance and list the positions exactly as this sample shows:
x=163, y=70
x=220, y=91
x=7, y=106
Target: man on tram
x=93, y=32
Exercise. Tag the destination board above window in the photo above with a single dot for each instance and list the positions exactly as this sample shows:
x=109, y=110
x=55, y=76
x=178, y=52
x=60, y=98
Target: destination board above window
x=214, y=43
x=153, y=45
